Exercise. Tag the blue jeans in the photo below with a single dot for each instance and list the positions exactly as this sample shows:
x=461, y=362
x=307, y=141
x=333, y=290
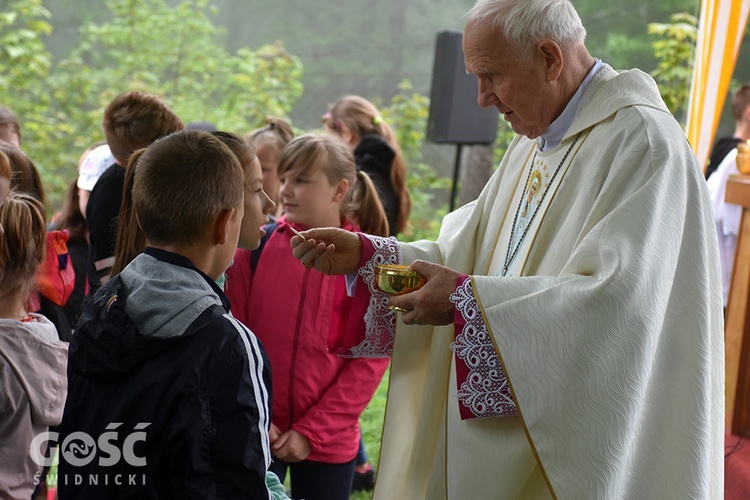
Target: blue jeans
x=361, y=454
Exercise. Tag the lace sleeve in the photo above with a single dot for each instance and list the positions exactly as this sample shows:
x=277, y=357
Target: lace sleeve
x=483, y=390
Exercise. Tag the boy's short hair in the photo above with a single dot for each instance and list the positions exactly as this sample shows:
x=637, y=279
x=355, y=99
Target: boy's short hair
x=740, y=101
x=182, y=182
x=133, y=120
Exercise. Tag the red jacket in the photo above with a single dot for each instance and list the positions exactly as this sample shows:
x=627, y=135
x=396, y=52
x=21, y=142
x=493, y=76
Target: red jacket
x=289, y=308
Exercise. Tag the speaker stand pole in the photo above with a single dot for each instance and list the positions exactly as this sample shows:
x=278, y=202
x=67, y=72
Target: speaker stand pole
x=456, y=171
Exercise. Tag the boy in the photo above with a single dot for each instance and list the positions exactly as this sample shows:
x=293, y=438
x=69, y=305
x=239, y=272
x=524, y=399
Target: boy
x=169, y=394
x=133, y=120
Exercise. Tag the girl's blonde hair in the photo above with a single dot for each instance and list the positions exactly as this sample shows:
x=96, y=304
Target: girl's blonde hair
x=276, y=129
x=361, y=117
x=23, y=244
x=362, y=204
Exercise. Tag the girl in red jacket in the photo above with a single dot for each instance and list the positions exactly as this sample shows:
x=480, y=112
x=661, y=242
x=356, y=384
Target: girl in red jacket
x=317, y=397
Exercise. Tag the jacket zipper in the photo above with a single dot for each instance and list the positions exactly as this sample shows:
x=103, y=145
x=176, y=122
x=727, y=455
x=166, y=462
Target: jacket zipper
x=295, y=346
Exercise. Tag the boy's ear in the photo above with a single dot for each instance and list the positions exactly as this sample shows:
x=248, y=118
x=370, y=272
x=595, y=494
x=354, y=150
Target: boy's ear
x=221, y=226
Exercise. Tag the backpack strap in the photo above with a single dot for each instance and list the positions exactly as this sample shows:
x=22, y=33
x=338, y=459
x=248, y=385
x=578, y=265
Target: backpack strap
x=255, y=254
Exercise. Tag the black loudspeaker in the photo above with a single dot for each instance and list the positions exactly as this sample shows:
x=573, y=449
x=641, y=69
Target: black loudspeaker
x=455, y=116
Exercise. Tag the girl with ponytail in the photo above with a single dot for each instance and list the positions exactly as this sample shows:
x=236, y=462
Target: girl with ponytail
x=358, y=122
x=317, y=396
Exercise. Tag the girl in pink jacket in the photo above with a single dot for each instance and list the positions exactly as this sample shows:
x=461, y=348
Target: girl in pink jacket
x=317, y=396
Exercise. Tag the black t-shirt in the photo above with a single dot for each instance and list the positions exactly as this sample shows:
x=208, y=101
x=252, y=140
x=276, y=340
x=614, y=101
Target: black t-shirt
x=722, y=147
x=102, y=213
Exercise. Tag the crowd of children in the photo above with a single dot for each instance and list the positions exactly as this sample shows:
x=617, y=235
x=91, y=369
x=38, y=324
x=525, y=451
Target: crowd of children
x=147, y=381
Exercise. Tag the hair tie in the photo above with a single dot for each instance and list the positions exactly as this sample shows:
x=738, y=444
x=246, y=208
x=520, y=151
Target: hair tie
x=377, y=120
x=327, y=118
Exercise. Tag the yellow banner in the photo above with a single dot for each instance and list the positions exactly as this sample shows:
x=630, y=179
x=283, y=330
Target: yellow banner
x=721, y=28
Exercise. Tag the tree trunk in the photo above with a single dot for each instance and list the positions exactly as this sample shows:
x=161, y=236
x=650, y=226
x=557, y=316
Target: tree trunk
x=476, y=169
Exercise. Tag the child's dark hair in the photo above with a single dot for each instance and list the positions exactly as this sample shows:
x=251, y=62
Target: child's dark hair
x=71, y=218
x=362, y=117
x=181, y=183
x=23, y=244
x=313, y=151
x=133, y=120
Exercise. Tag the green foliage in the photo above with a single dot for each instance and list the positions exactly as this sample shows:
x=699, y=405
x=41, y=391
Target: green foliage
x=620, y=47
x=23, y=57
x=174, y=51
x=24, y=72
x=674, y=50
x=505, y=135
x=408, y=114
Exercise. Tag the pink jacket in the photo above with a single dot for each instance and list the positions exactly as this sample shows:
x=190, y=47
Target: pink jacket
x=289, y=308
x=33, y=388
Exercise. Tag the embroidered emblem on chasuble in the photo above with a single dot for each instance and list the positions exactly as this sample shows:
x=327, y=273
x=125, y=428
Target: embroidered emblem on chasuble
x=530, y=199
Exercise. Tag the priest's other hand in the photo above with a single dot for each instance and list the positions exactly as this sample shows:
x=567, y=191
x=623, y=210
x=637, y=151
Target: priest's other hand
x=330, y=250
x=430, y=305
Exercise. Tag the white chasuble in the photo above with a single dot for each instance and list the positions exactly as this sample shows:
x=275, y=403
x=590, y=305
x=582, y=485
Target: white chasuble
x=608, y=323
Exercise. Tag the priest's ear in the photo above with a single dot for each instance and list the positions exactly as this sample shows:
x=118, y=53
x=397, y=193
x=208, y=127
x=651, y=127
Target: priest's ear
x=552, y=55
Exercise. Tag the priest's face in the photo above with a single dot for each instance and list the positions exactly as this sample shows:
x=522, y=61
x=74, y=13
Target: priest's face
x=520, y=88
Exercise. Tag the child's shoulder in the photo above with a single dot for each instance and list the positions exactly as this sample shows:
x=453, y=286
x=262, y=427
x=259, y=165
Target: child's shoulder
x=225, y=334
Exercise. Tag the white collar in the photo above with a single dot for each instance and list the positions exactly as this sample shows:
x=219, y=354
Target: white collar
x=556, y=131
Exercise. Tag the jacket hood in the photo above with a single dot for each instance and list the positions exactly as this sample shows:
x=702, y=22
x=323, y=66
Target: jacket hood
x=164, y=299
x=155, y=301
x=38, y=359
x=611, y=91
x=374, y=153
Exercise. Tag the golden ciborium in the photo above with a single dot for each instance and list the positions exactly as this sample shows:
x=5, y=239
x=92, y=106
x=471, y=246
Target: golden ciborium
x=396, y=279
x=743, y=157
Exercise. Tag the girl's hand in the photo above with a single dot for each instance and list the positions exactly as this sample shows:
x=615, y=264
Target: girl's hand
x=291, y=447
x=330, y=250
x=273, y=433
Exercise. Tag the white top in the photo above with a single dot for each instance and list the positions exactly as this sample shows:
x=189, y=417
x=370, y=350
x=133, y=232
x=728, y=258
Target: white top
x=96, y=162
x=727, y=217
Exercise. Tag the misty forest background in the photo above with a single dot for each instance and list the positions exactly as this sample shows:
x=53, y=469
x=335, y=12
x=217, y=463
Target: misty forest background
x=232, y=62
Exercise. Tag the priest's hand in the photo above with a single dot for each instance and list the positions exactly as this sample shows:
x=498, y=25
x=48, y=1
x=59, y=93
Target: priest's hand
x=430, y=305
x=291, y=447
x=330, y=250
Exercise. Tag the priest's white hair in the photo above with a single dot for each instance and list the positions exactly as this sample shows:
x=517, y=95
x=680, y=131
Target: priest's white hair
x=524, y=23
